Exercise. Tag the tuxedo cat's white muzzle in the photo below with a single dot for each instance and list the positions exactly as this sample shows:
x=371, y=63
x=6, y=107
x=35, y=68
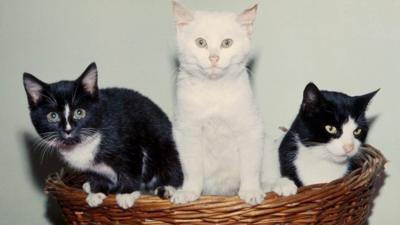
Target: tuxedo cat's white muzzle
x=348, y=148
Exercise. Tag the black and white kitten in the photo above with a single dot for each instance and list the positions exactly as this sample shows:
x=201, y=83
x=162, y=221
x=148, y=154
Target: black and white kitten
x=328, y=131
x=120, y=138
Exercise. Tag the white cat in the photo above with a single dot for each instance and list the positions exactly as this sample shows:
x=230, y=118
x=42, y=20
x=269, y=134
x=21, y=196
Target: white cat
x=218, y=129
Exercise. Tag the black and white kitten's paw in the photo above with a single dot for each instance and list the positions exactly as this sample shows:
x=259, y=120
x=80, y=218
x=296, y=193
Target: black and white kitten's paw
x=285, y=187
x=127, y=200
x=86, y=187
x=252, y=197
x=95, y=199
x=165, y=192
x=183, y=196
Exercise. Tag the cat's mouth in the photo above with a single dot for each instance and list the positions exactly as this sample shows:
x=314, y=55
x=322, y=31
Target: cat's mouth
x=214, y=72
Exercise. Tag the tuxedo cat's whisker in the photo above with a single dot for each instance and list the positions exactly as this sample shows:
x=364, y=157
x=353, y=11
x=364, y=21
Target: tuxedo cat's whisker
x=324, y=137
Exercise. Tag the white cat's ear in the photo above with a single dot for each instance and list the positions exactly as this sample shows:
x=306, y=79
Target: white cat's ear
x=247, y=17
x=88, y=80
x=183, y=16
x=33, y=88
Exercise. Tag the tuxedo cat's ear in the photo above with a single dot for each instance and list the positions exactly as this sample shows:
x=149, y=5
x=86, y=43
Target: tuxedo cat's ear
x=362, y=101
x=33, y=87
x=183, y=16
x=247, y=17
x=312, y=98
x=88, y=80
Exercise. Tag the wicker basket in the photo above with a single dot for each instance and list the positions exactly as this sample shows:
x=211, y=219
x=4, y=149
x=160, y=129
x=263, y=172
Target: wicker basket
x=344, y=201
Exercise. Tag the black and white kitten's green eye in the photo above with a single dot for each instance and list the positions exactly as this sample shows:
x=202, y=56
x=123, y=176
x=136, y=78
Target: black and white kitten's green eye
x=53, y=117
x=79, y=114
x=331, y=129
x=357, y=131
x=201, y=43
x=227, y=43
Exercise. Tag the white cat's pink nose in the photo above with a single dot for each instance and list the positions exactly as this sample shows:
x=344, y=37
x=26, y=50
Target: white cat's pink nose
x=213, y=59
x=348, y=147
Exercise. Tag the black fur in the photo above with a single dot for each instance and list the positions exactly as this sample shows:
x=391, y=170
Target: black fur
x=318, y=109
x=130, y=124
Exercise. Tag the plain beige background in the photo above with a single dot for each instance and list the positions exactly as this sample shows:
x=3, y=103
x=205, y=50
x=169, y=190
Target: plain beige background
x=345, y=45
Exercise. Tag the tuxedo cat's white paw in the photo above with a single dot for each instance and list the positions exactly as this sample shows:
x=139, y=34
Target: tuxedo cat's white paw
x=127, y=200
x=86, y=187
x=252, y=197
x=182, y=196
x=285, y=187
x=95, y=199
x=165, y=192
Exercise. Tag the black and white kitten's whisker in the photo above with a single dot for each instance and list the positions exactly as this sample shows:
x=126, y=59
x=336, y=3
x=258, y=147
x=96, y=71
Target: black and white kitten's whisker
x=95, y=130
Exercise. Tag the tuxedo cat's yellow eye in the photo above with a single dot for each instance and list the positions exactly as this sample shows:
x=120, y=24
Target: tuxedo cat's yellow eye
x=331, y=129
x=227, y=43
x=79, y=114
x=53, y=117
x=357, y=131
x=201, y=43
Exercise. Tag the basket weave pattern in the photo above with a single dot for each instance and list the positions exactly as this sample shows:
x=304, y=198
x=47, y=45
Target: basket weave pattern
x=344, y=201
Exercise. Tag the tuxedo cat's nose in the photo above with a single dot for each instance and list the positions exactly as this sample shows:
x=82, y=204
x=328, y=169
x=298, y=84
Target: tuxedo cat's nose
x=213, y=59
x=348, y=147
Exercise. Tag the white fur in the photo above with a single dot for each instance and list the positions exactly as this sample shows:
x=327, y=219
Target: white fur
x=217, y=128
x=67, y=112
x=81, y=157
x=127, y=200
x=95, y=199
x=324, y=163
x=284, y=187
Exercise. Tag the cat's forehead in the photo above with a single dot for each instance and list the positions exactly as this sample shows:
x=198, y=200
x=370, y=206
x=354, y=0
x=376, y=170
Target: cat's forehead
x=63, y=91
x=215, y=24
x=343, y=105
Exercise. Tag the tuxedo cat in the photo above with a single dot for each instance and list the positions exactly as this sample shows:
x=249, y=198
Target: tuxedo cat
x=328, y=131
x=118, y=137
x=218, y=128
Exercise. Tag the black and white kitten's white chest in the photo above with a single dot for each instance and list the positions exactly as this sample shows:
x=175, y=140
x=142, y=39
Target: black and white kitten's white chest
x=82, y=157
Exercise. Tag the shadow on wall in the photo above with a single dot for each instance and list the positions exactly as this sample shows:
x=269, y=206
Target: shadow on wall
x=39, y=169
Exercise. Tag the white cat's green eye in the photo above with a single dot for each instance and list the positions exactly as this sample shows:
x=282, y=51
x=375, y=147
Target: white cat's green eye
x=201, y=43
x=331, y=129
x=226, y=43
x=53, y=117
x=79, y=114
x=357, y=131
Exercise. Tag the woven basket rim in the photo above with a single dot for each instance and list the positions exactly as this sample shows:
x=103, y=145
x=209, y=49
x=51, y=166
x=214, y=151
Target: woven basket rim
x=55, y=183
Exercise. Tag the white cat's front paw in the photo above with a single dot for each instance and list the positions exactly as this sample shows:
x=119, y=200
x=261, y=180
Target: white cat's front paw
x=95, y=199
x=285, y=187
x=252, y=197
x=183, y=196
x=86, y=187
x=127, y=200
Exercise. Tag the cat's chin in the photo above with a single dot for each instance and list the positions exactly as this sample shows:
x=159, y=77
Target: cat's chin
x=339, y=158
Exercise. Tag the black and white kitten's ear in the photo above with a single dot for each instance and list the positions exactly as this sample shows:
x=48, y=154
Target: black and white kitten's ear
x=34, y=88
x=312, y=98
x=247, y=17
x=183, y=16
x=362, y=101
x=88, y=80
